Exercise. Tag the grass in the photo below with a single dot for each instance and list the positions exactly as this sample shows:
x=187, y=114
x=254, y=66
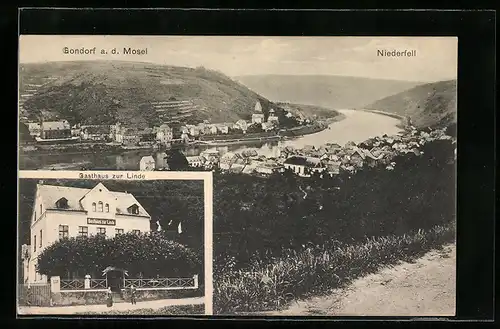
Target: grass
x=318, y=270
x=168, y=310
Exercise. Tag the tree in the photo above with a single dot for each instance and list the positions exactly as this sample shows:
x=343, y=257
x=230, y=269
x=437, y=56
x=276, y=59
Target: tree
x=150, y=254
x=176, y=160
x=24, y=133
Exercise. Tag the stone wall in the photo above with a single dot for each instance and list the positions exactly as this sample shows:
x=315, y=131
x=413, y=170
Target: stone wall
x=143, y=295
x=67, y=298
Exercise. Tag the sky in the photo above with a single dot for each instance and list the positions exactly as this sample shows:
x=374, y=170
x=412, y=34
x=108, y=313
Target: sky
x=436, y=57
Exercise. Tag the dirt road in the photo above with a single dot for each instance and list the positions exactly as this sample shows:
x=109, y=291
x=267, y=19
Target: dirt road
x=423, y=288
x=155, y=304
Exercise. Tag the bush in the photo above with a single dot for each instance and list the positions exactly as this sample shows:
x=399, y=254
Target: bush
x=270, y=284
x=150, y=254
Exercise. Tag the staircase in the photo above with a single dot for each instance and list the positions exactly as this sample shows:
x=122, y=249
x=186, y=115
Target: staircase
x=117, y=298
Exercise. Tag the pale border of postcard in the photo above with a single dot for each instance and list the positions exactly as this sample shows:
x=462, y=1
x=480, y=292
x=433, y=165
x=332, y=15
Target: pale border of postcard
x=206, y=177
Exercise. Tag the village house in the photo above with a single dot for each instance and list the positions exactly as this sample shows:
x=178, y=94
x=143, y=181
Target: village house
x=147, y=136
x=55, y=130
x=164, y=134
x=34, y=128
x=147, y=163
x=267, y=126
x=258, y=115
x=76, y=130
x=130, y=137
x=241, y=125
x=269, y=168
x=223, y=128
x=304, y=166
x=193, y=130
x=333, y=167
x=211, y=157
x=272, y=117
x=61, y=212
x=211, y=129
x=95, y=132
x=196, y=161
x=227, y=160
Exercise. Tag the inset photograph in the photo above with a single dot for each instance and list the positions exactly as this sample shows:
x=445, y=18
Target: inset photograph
x=111, y=247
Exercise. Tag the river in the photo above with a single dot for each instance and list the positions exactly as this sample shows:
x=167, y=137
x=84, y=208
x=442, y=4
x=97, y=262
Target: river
x=357, y=126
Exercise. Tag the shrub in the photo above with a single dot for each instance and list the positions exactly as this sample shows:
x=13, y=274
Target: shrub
x=149, y=254
x=270, y=284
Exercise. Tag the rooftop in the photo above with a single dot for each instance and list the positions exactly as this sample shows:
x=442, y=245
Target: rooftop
x=50, y=194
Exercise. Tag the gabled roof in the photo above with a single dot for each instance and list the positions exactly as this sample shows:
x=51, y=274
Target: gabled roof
x=147, y=158
x=50, y=194
x=304, y=161
x=54, y=125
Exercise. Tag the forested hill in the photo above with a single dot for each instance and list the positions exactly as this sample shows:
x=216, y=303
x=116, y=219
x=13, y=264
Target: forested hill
x=428, y=105
x=103, y=92
x=330, y=91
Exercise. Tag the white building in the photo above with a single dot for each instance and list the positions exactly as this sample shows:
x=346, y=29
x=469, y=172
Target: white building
x=258, y=116
x=241, y=125
x=164, y=134
x=147, y=163
x=195, y=161
x=272, y=117
x=304, y=166
x=63, y=212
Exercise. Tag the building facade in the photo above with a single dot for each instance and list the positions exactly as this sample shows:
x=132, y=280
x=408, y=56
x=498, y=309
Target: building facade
x=55, y=130
x=61, y=212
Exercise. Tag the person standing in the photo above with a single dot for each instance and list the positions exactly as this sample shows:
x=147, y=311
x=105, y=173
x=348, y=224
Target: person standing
x=109, y=297
x=133, y=296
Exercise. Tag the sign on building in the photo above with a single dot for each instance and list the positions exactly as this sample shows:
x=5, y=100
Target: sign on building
x=98, y=221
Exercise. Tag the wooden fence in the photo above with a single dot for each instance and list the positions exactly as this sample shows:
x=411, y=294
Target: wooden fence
x=34, y=294
x=163, y=283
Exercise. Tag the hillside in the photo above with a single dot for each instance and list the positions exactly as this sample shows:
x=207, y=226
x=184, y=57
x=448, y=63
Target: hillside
x=429, y=105
x=103, y=92
x=337, y=92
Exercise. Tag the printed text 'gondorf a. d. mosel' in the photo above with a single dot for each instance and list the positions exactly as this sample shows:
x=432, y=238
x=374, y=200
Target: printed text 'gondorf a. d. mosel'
x=111, y=51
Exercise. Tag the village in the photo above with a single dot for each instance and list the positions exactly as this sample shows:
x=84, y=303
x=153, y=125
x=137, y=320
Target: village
x=328, y=159
x=162, y=136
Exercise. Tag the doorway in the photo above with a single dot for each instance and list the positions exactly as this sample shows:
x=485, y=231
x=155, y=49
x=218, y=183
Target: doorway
x=115, y=280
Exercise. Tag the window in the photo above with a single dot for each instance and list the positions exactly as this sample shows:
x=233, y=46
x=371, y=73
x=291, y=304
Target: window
x=118, y=231
x=99, y=206
x=62, y=203
x=63, y=231
x=107, y=207
x=93, y=207
x=136, y=231
x=34, y=243
x=41, y=210
x=83, y=231
x=40, y=239
x=133, y=209
x=101, y=231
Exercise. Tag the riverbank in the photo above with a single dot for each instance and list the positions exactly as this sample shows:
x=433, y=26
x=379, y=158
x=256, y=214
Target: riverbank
x=112, y=148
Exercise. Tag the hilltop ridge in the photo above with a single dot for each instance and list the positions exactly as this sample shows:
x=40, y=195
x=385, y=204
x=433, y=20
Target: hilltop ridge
x=429, y=105
x=142, y=94
x=329, y=91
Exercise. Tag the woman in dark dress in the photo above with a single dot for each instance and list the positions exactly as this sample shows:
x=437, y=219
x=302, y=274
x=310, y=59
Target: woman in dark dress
x=109, y=297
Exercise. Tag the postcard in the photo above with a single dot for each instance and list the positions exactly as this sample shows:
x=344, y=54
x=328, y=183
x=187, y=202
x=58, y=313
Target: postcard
x=333, y=163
